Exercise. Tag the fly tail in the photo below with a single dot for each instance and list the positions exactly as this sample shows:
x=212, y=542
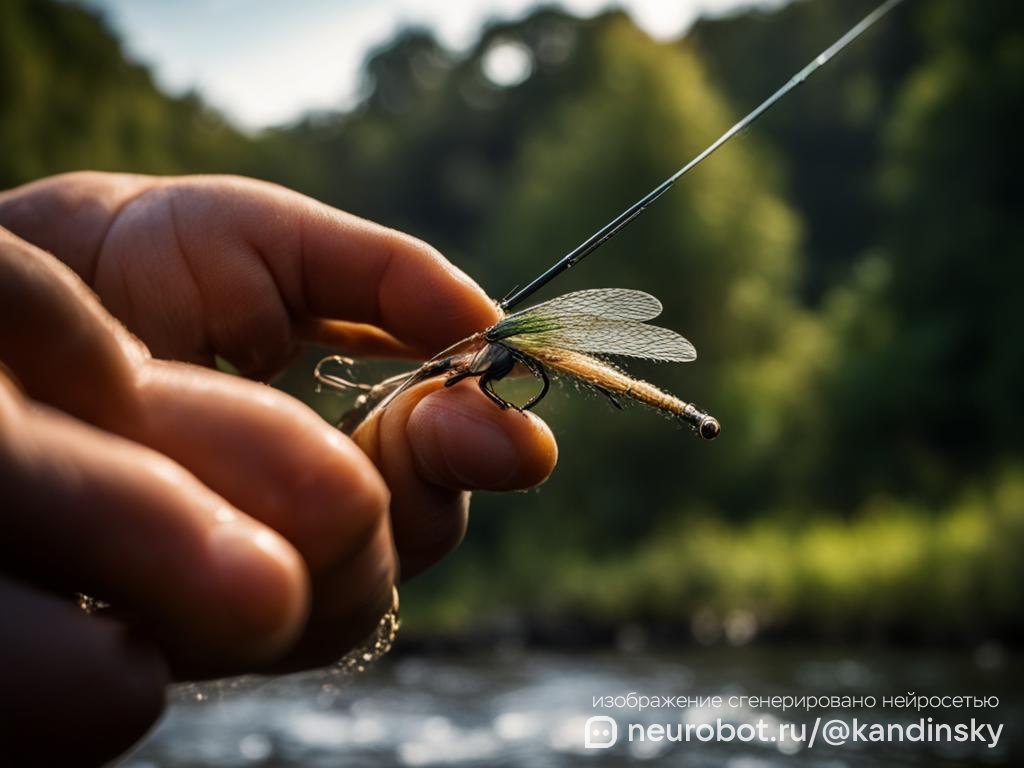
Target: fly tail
x=704, y=424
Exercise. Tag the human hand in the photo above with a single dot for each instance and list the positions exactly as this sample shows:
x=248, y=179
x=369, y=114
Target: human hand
x=230, y=527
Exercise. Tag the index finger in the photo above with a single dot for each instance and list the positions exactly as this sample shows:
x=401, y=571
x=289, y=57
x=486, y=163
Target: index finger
x=329, y=264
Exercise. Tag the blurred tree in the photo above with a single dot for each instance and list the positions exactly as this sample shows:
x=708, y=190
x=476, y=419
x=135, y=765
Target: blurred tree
x=829, y=135
x=69, y=99
x=931, y=393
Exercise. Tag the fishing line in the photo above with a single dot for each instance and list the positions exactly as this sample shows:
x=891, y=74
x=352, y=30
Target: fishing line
x=616, y=225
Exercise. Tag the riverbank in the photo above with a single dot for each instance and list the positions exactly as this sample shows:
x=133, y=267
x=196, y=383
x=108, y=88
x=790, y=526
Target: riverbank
x=893, y=572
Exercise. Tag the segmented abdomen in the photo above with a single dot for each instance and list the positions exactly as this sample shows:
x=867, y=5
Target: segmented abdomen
x=597, y=373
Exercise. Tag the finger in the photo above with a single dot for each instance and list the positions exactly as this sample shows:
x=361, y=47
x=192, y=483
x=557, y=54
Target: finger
x=71, y=214
x=243, y=260
x=236, y=436
x=275, y=458
x=432, y=444
x=326, y=263
x=393, y=281
x=78, y=689
x=57, y=339
x=87, y=511
x=459, y=439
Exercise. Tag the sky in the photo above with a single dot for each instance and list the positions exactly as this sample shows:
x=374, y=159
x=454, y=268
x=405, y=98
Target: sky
x=266, y=62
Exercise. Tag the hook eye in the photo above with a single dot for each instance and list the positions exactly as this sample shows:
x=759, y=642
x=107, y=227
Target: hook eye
x=335, y=381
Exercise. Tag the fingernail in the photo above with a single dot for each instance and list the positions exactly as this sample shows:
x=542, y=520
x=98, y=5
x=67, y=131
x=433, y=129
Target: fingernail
x=262, y=582
x=457, y=447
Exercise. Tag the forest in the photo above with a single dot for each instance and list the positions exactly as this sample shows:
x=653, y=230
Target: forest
x=849, y=270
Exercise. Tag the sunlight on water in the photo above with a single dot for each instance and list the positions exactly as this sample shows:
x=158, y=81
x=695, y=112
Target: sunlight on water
x=531, y=709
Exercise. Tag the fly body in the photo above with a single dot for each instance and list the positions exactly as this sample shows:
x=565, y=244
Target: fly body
x=572, y=335
x=610, y=381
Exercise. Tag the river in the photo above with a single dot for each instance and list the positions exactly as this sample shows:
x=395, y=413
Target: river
x=528, y=708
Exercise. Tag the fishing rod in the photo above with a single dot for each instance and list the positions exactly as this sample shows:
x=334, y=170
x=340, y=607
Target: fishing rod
x=616, y=225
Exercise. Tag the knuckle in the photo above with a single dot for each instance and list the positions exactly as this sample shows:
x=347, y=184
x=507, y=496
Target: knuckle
x=428, y=535
x=367, y=503
x=349, y=504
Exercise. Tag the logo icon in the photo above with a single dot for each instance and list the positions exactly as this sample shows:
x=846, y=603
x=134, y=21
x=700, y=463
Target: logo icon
x=600, y=732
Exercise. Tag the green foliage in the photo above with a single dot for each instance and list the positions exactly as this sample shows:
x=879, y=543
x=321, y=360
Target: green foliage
x=937, y=364
x=895, y=570
x=849, y=271
x=70, y=100
x=828, y=137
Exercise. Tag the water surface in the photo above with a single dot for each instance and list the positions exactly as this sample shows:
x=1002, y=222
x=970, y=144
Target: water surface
x=524, y=708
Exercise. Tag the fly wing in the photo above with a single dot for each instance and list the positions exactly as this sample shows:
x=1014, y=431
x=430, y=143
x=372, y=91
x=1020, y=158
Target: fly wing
x=605, y=321
x=609, y=303
x=596, y=335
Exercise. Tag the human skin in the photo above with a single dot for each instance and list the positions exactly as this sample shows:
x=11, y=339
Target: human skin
x=231, y=528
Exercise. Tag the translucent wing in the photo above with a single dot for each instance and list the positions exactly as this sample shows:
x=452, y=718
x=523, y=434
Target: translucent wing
x=603, y=321
x=609, y=303
x=595, y=335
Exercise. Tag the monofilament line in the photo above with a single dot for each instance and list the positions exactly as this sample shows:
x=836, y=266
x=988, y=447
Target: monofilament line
x=616, y=225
